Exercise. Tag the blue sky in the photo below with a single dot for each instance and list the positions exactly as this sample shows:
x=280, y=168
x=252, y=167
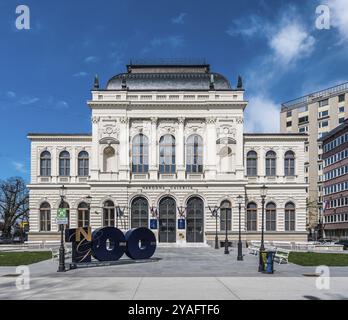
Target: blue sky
x=47, y=72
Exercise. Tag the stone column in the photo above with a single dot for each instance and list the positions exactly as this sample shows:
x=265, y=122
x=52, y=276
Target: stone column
x=94, y=172
x=180, y=149
x=153, y=168
x=210, y=149
x=124, y=152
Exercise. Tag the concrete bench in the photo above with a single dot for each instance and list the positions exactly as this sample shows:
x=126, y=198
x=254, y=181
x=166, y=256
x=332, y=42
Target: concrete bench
x=51, y=243
x=37, y=244
x=282, y=255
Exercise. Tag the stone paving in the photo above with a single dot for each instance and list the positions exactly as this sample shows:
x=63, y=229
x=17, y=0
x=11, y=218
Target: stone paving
x=176, y=273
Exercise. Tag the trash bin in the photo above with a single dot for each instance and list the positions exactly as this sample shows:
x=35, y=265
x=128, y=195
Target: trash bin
x=269, y=262
x=263, y=261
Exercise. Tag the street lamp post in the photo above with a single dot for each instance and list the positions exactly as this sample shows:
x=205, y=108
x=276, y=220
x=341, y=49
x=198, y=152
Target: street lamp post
x=240, y=249
x=262, y=246
x=226, y=230
x=61, y=267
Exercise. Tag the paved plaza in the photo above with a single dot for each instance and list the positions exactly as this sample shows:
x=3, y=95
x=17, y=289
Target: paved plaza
x=177, y=273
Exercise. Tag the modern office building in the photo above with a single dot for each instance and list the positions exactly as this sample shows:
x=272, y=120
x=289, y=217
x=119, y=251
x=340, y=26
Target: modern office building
x=335, y=182
x=315, y=114
x=168, y=144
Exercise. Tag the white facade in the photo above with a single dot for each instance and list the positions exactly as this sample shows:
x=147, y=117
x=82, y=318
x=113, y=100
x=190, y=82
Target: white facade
x=215, y=117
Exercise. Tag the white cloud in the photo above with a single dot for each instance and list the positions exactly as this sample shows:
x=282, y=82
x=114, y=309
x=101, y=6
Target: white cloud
x=91, y=59
x=80, y=74
x=339, y=16
x=19, y=166
x=291, y=42
x=262, y=115
x=11, y=94
x=61, y=105
x=28, y=100
x=172, y=42
x=180, y=18
x=248, y=27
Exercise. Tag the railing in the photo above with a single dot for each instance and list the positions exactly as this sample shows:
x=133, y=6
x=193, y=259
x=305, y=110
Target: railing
x=322, y=94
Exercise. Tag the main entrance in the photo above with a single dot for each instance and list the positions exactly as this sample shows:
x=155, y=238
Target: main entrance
x=167, y=220
x=194, y=220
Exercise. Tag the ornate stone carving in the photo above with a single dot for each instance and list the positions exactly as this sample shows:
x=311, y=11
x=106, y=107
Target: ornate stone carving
x=154, y=120
x=211, y=120
x=181, y=120
x=239, y=120
x=124, y=120
x=95, y=119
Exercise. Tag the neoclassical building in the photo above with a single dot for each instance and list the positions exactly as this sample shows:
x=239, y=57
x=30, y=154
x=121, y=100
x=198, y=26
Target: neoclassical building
x=167, y=146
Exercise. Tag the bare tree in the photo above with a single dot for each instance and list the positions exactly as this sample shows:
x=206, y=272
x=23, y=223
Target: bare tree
x=14, y=203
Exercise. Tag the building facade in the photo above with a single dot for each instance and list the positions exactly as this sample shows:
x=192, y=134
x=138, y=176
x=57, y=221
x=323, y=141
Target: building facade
x=168, y=145
x=335, y=185
x=315, y=114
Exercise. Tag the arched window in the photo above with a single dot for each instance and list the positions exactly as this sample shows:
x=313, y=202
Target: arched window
x=139, y=213
x=194, y=154
x=225, y=215
x=66, y=206
x=64, y=163
x=271, y=163
x=251, y=216
x=271, y=217
x=83, y=163
x=289, y=163
x=45, y=164
x=167, y=154
x=252, y=164
x=109, y=159
x=140, y=154
x=83, y=215
x=108, y=214
x=289, y=217
x=45, y=217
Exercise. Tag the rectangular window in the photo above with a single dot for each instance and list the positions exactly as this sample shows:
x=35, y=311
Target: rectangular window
x=323, y=114
x=323, y=124
x=288, y=114
x=323, y=103
x=341, y=97
x=341, y=109
x=302, y=120
x=340, y=120
x=289, y=123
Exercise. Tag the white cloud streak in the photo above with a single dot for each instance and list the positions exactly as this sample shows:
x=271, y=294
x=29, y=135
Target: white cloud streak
x=262, y=115
x=19, y=166
x=179, y=19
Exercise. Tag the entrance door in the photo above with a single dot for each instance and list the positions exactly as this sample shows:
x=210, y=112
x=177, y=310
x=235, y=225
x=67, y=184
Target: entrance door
x=194, y=220
x=167, y=220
